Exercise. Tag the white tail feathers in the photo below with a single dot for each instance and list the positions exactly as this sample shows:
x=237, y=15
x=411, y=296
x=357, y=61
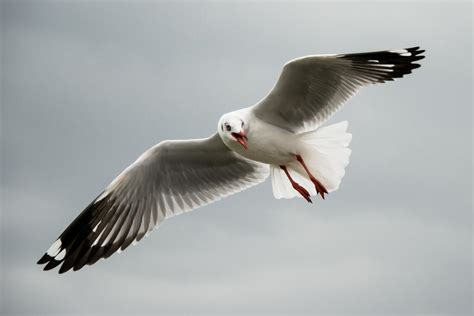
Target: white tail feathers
x=326, y=154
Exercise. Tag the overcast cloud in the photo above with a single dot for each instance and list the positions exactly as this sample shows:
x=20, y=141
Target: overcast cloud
x=88, y=86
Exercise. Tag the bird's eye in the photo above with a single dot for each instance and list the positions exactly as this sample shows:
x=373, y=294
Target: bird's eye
x=228, y=128
x=242, y=125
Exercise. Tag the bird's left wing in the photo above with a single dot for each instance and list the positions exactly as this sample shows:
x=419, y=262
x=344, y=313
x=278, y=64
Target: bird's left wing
x=168, y=179
x=312, y=88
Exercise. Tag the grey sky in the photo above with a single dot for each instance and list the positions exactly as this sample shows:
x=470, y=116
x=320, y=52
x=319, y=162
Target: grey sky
x=88, y=86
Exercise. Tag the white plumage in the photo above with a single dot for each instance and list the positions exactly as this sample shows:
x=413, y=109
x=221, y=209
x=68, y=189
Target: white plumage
x=279, y=136
x=325, y=150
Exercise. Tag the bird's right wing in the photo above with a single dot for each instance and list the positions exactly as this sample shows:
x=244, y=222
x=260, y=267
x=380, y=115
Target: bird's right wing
x=310, y=89
x=169, y=178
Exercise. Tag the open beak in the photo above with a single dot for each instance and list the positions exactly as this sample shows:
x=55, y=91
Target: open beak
x=241, y=138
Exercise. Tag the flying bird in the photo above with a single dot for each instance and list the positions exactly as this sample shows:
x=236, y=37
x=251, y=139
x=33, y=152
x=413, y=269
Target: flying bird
x=278, y=136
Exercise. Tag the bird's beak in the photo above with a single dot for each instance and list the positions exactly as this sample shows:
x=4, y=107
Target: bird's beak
x=241, y=138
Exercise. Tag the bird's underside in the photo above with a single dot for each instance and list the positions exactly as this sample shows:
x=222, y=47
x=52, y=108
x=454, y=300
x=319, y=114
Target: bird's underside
x=319, y=187
x=178, y=176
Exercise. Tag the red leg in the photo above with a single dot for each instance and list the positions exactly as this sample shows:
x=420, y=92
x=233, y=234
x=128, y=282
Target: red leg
x=296, y=186
x=319, y=187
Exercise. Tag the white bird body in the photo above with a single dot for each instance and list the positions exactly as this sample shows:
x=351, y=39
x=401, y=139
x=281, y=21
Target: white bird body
x=279, y=136
x=267, y=143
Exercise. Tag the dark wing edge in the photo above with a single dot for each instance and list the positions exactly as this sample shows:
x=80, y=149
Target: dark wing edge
x=75, y=237
x=386, y=65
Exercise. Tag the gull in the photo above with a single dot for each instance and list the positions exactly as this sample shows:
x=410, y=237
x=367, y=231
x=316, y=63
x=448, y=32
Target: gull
x=279, y=136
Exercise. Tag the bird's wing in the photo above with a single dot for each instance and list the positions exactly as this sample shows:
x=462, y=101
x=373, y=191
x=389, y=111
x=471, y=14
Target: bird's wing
x=310, y=89
x=168, y=179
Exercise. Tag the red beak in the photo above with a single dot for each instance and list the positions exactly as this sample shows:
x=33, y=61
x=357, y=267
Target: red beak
x=241, y=138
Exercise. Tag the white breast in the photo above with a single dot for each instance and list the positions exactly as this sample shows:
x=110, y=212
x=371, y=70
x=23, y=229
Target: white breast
x=266, y=143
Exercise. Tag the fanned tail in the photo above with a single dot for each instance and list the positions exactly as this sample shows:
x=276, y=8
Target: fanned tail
x=326, y=154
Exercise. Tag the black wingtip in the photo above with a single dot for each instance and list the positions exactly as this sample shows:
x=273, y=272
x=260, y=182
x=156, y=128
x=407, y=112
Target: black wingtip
x=416, y=53
x=67, y=250
x=53, y=263
x=398, y=63
x=63, y=269
x=45, y=258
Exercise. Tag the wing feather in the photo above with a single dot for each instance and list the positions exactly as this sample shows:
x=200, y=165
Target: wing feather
x=170, y=178
x=310, y=89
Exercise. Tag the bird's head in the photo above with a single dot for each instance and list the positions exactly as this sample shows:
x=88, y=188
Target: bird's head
x=232, y=128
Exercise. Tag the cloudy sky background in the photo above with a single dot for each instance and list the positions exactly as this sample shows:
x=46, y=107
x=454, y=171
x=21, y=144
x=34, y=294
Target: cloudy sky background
x=88, y=86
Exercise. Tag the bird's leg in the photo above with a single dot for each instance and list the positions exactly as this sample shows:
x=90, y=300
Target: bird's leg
x=296, y=186
x=319, y=187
